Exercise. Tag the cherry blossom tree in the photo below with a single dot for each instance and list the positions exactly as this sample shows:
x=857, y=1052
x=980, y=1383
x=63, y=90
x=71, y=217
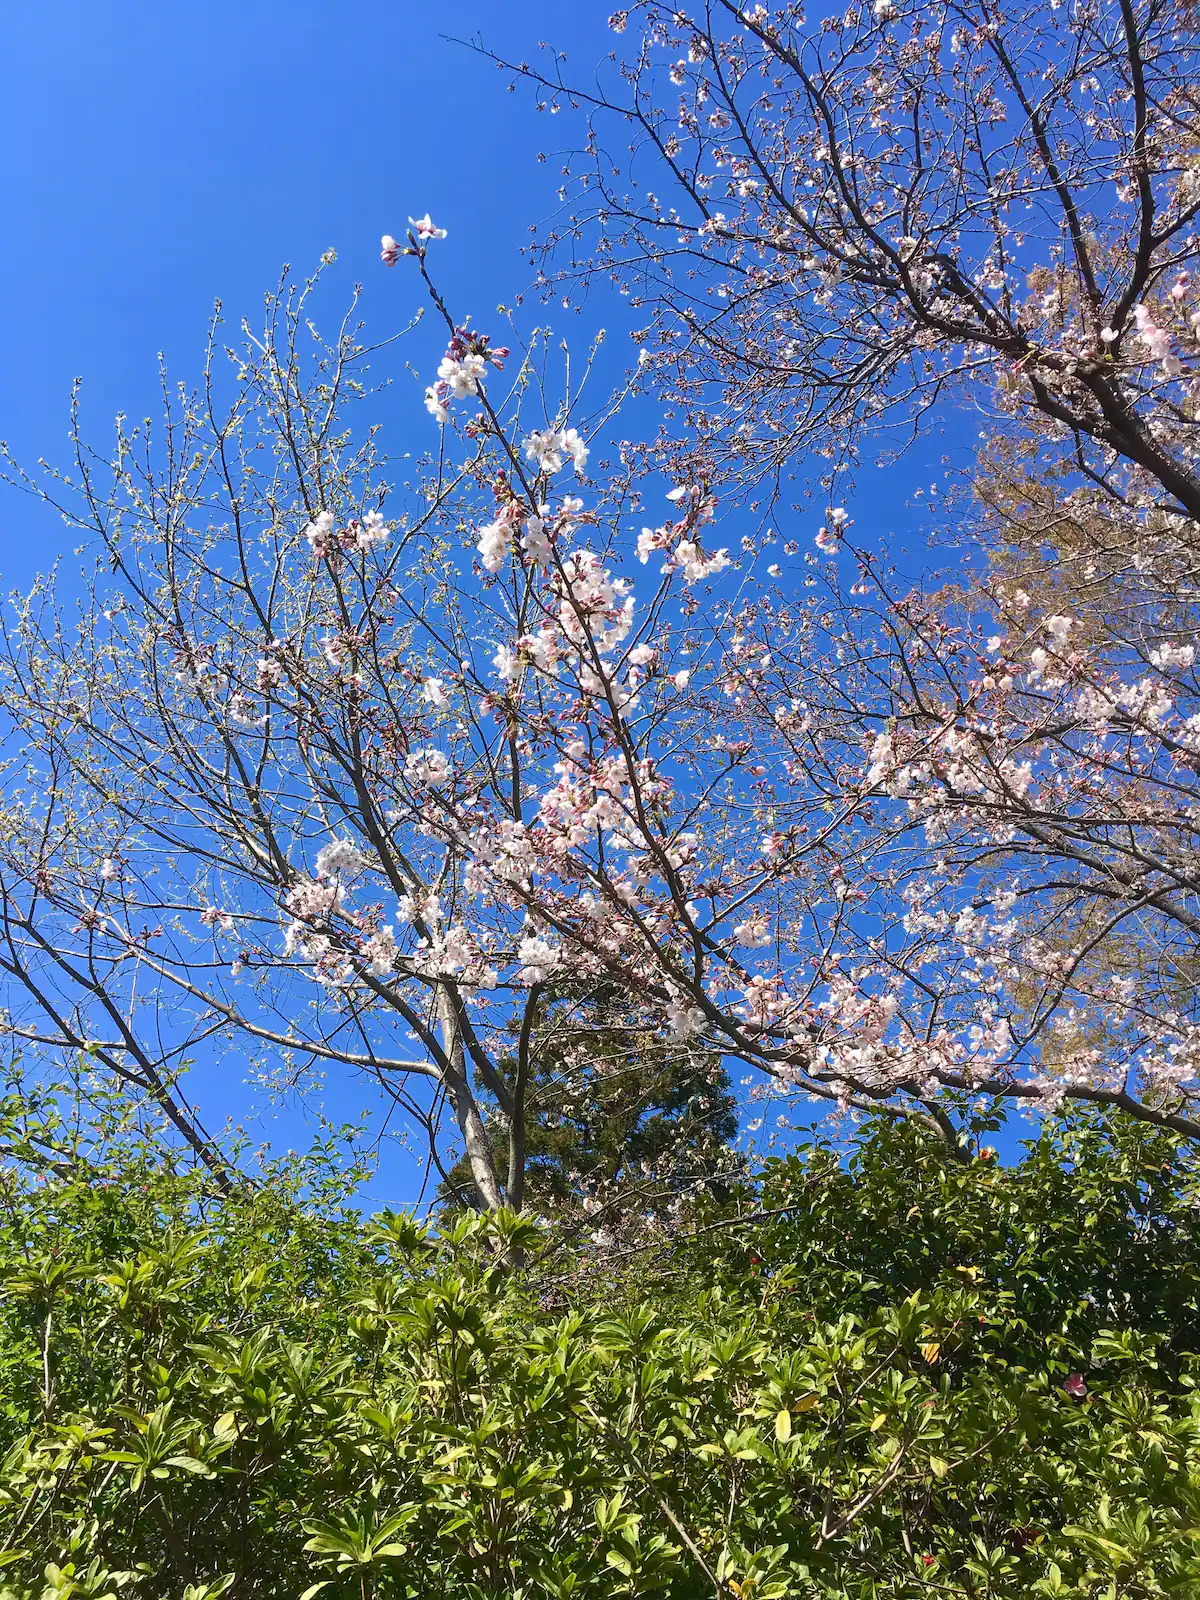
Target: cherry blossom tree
x=335, y=771
x=833, y=228
x=832, y=224
x=273, y=794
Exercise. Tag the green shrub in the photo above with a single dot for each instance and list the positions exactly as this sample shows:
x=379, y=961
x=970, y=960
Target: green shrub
x=925, y=1377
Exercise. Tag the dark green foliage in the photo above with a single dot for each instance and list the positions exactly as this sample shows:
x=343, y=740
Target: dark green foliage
x=926, y=1378
x=1094, y=1227
x=612, y=1113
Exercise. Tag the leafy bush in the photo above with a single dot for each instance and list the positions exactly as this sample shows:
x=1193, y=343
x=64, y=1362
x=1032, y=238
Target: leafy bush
x=905, y=1375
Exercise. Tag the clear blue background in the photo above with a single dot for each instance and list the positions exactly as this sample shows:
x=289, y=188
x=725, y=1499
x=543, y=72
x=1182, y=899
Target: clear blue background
x=159, y=155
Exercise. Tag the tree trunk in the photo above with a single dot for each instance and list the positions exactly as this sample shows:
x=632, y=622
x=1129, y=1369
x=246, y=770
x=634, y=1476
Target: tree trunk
x=475, y=1140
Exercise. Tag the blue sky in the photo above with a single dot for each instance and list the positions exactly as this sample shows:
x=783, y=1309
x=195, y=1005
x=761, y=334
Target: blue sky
x=158, y=156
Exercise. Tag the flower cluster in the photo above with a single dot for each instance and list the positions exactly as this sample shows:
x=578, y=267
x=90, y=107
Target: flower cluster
x=325, y=539
x=549, y=449
x=427, y=767
x=462, y=370
x=684, y=553
x=340, y=859
x=423, y=230
x=540, y=531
